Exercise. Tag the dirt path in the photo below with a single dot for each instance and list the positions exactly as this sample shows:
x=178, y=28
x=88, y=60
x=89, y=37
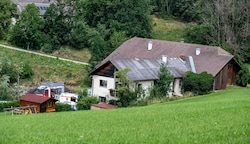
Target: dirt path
x=22, y=50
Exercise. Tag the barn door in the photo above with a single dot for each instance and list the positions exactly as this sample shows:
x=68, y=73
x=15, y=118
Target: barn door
x=43, y=107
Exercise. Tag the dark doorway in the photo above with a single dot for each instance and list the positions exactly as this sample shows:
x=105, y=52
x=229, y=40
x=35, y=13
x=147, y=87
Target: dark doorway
x=43, y=107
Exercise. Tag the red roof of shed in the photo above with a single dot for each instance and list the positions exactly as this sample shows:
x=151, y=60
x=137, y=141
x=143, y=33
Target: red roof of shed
x=104, y=106
x=34, y=98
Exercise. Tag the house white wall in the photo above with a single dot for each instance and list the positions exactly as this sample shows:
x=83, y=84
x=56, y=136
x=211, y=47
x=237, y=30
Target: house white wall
x=98, y=90
x=177, y=87
x=146, y=85
x=103, y=91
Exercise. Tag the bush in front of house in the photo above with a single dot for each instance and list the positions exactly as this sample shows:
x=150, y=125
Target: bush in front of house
x=242, y=78
x=9, y=104
x=198, y=84
x=62, y=107
x=85, y=102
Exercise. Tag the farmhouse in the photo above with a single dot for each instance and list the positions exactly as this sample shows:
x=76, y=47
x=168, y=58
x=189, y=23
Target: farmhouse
x=42, y=103
x=184, y=56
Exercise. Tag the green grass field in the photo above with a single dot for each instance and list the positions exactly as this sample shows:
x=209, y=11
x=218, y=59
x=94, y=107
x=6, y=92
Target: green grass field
x=220, y=117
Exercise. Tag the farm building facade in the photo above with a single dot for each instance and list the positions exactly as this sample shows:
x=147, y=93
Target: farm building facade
x=195, y=57
x=42, y=103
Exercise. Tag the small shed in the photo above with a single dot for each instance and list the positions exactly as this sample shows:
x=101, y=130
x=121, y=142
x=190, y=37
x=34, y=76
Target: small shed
x=43, y=104
x=102, y=106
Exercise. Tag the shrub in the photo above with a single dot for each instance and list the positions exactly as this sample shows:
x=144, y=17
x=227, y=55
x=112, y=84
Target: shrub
x=199, y=84
x=27, y=71
x=85, y=103
x=62, y=107
x=9, y=104
x=243, y=77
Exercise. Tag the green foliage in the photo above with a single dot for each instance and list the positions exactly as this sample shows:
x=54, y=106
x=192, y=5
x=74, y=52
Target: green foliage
x=244, y=53
x=161, y=7
x=130, y=16
x=162, y=85
x=62, y=107
x=7, y=11
x=85, y=102
x=27, y=71
x=243, y=76
x=9, y=72
x=26, y=33
x=126, y=92
x=198, y=34
x=199, y=84
x=9, y=104
x=184, y=9
x=65, y=27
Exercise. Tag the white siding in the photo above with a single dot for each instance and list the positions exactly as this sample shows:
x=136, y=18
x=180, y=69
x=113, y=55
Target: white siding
x=98, y=90
x=177, y=87
x=146, y=85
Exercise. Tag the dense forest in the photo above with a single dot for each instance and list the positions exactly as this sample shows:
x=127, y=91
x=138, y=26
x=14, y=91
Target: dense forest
x=102, y=25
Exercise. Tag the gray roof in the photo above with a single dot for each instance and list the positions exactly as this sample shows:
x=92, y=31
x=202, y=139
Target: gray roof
x=147, y=69
x=42, y=5
x=52, y=84
x=211, y=59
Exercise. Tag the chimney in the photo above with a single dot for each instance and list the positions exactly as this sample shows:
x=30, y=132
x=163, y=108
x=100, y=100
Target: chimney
x=150, y=45
x=197, y=51
x=183, y=57
x=137, y=58
x=164, y=58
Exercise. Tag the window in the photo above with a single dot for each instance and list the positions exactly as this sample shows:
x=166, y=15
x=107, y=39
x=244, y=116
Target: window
x=139, y=86
x=102, y=99
x=50, y=104
x=180, y=83
x=103, y=83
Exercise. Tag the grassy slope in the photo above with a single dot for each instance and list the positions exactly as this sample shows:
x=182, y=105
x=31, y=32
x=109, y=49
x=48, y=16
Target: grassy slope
x=48, y=69
x=72, y=74
x=170, y=30
x=221, y=117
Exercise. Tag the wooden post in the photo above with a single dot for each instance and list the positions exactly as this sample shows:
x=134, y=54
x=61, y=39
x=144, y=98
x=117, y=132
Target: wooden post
x=34, y=109
x=12, y=110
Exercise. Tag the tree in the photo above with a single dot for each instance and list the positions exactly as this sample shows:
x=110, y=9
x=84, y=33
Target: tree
x=163, y=85
x=199, y=84
x=64, y=25
x=7, y=11
x=126, y=92
x=198, y=34
x=130, y=16
x=27, y=31
x=242, y=77
x=185, y=9
x=229, y=21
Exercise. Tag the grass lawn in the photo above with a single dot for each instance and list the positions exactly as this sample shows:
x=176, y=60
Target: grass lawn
x=220, y=117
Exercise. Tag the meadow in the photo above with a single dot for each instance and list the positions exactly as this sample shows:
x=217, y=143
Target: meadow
x=47, y=69
x=219, y=117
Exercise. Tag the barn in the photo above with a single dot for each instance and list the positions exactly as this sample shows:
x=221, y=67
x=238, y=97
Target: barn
x=43, y=104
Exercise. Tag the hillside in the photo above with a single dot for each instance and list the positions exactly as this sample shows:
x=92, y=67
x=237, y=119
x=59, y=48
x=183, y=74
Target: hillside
x=52, y=70
x=220, y=117
x=48, y=69
x=170, y=30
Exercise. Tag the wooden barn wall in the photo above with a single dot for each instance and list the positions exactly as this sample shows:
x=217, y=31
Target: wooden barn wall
x=236, y=69
x=221, y=79
x=26, y=103
x=51, y=109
